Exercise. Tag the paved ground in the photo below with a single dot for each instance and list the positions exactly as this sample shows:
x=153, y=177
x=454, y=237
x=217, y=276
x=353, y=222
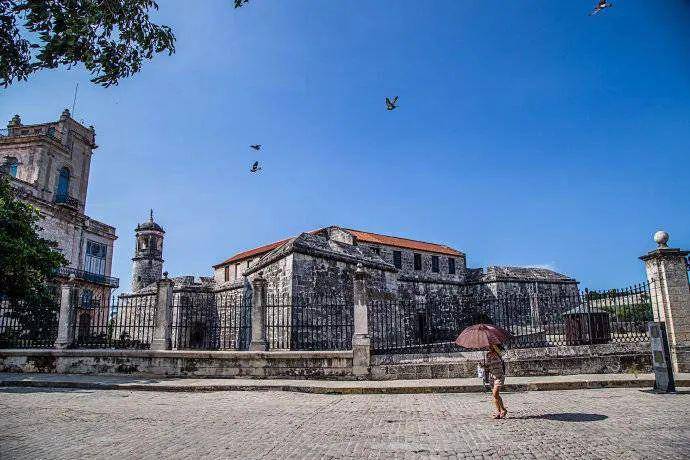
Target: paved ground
x=459, y=385
x=578, y=424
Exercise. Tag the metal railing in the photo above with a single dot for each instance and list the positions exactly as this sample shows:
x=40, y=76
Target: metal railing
x=204, y=321
x=309, y=324
x=127, y=323
x=66, y=200
x=533, y=320
x=95, y=278
x=25, y=325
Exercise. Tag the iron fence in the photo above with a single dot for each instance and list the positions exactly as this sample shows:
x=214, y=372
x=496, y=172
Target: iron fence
x=29, y=325
x=309, y=324
x=533, y=319
x=127, y=323
x=205, y=321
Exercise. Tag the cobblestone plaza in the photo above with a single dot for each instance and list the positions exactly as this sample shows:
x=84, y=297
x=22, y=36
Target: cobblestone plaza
x=581, y=424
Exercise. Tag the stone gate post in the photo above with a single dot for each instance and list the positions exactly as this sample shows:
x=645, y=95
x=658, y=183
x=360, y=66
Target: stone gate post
x=258, y=342
x=667, y=273
x=361, y=342
x=66, y=316
x=162, y=329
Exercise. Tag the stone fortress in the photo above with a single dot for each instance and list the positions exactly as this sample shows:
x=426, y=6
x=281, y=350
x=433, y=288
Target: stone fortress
x=321, y=264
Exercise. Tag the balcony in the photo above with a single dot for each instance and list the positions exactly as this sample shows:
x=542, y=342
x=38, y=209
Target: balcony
x=66, y=200
x=90, y=277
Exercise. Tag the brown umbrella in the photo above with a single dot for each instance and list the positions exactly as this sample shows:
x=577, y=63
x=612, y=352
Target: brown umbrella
x=481, y=336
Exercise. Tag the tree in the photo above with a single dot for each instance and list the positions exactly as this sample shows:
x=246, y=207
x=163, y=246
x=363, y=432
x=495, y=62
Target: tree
x=28, y=263
x=110, y=38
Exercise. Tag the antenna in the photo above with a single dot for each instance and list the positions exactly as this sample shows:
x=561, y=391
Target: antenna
x=74, y=101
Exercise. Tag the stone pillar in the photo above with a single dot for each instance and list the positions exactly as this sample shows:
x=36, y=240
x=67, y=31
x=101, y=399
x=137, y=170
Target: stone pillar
x=162, y=329
x=66, y=319
x=361, y=342
x=667, y=273
x=258, y=342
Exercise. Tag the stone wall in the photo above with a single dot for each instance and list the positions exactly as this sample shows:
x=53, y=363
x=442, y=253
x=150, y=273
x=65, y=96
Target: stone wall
x=588, y=359
x=318, y=277
x=240, y=364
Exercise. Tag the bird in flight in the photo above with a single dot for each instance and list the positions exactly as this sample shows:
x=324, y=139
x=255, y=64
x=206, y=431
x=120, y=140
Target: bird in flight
x=256, y=146
x=240, y=3
x=390, y=105
x=255, y=167
x=601, y=6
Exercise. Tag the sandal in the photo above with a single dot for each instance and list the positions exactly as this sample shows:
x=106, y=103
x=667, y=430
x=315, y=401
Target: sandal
x=502, y=414
x=496, y=416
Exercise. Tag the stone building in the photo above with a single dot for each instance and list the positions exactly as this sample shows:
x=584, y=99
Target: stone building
x=321, y=263
x=309, y=280
x=49, y=165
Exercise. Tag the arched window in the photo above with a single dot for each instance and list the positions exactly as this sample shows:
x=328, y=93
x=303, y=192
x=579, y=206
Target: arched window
x=63, y=182
x=11, y=165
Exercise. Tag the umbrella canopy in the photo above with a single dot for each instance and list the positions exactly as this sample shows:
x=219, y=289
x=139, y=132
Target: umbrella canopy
x=481, y=336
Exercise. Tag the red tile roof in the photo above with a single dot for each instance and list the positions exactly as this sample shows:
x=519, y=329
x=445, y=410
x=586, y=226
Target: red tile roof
x=403, y=243
x=251, y=253
x=366, y=237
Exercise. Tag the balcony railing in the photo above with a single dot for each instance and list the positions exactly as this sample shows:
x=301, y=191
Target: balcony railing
x=67, y=200
x=21, y=131
x=90, y=277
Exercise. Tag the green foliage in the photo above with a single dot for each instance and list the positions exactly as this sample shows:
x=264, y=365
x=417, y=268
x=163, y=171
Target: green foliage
x=28, y=263
x=632, y=312
x=111, y=38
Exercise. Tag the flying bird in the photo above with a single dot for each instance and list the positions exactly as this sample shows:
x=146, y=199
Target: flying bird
x=255, y=167
x=601, y=6
x=256, y=146
x=240, y=3
x=391, y=105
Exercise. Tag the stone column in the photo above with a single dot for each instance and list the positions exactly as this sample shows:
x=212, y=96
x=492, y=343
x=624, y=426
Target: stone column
x=66, y=319
x=361, y=342
x=162, y=329
x=668, y=276
x=258, y=342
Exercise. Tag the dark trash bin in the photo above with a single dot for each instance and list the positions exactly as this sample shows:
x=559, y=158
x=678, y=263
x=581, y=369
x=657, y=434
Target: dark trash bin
x=586, y=325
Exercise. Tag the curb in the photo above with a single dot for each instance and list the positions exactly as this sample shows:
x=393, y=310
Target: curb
x=355, y=389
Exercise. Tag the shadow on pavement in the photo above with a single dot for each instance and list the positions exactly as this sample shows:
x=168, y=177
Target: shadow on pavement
x=677, y=392
x=564, y=417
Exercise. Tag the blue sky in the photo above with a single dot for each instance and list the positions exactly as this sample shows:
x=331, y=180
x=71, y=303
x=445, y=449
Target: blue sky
x=528, y=133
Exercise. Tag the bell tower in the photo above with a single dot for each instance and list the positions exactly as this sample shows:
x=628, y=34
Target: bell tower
x=147, y=264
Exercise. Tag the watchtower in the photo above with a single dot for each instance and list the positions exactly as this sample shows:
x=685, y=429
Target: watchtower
x=147, y=264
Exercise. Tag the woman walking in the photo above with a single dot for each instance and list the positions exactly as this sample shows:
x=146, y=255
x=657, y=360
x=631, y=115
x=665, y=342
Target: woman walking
x=495, y=367
x=483, y=337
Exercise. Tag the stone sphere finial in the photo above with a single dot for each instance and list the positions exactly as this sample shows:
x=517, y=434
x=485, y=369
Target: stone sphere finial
x=165, y=275
x=661, y=238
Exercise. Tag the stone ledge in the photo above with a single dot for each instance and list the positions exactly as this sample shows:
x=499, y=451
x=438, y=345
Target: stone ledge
x=266, y=355
x=329, y=387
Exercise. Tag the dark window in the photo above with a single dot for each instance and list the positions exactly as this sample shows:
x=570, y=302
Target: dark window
x=95, y=257
x=63, y=182
x=84, y=326
x=418, y=262
x=11, y=165
x=397, y=259
x=451, y=266
x=434, y=264
x=376, y=250
x=226, y=274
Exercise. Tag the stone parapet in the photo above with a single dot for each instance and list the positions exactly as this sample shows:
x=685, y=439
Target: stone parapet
x=168, y=363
